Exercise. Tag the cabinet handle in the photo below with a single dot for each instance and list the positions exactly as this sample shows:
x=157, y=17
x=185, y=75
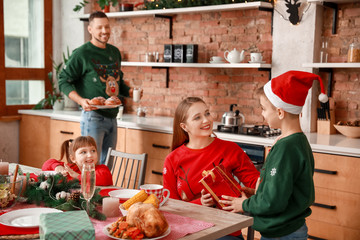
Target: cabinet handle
x=325, y=171
x=160, y=146
x=66, y=132
x=316, y=238
x=157, y=173
x=324, y=205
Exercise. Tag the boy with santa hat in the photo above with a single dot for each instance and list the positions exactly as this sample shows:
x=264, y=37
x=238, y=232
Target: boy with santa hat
x=286, y=189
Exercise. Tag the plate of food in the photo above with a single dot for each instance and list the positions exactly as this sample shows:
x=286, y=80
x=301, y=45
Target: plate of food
x=123, y=194
x=106, y=106
x=25, y=218
x=111, y=229
x=102, y=103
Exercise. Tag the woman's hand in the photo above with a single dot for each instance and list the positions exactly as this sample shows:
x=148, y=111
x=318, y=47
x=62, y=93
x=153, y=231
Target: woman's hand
x=233, y=204
x=206, y=199
x=248, y=191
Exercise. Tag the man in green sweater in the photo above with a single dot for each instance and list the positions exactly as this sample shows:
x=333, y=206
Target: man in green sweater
x=93, y=70
x=286, y=188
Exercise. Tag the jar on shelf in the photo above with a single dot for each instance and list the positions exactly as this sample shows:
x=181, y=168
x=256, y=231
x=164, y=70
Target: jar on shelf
x=354, y=53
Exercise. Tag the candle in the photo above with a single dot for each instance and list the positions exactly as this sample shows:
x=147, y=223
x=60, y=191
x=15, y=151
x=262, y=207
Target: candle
x=111, y=207
x=4, y=168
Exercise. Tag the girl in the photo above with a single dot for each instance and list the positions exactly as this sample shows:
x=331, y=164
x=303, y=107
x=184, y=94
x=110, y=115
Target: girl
x=82, y=149
x=195, y=150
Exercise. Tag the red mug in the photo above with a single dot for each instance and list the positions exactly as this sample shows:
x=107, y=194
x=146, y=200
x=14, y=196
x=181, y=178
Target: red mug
x=158, y=190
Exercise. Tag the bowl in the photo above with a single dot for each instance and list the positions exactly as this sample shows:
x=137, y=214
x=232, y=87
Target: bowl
x=9, y=191
x=348, y=131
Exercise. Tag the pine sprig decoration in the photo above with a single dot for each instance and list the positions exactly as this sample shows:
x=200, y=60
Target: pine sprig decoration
x=56, y=191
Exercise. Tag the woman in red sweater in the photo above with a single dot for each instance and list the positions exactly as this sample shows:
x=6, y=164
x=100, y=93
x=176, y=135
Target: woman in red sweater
x=82, y=149
x=194, y=150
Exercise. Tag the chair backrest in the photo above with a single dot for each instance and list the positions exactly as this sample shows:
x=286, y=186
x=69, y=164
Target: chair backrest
x=127, y=169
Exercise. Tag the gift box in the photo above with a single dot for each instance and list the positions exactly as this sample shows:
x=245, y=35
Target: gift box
x=218, y=181
x=66, y=225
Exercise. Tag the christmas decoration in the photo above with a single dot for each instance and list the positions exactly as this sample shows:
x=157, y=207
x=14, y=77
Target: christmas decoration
x=163, y=4
x=56, y=191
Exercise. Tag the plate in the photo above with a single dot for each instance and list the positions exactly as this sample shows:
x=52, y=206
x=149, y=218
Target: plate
x=25, y=218
x=105, y=231
x=212, y=62
x=257, y=62
x=106, y=106
x=123, y=194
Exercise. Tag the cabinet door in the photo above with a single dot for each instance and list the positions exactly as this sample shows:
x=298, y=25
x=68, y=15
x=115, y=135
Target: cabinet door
x=156, y=145
x=34, y=140
x=121, y=139
x=337, y=172
x=61, y=131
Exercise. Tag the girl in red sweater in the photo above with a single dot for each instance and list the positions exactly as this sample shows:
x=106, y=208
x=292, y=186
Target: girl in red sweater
x=82, y=149
x=195, y=150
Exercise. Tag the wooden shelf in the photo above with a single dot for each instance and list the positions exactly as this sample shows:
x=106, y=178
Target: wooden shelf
x=332, y=1
x=196, y=65
x=331, y=65
x=174, y=11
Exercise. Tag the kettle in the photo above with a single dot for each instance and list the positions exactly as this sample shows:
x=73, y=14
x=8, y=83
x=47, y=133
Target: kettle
x=231, y=118
x=234, y=56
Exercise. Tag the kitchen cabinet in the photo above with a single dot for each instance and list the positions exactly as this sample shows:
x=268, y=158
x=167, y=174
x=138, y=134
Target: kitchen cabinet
x=156, y=145
x=337, y=198
x=61, y=131
x=34, y=140
x=121, y=139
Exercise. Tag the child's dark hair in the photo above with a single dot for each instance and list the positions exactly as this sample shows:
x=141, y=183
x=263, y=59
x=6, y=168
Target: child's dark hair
x=70, y=146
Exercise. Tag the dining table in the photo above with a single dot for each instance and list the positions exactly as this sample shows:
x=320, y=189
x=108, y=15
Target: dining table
x=187, y=220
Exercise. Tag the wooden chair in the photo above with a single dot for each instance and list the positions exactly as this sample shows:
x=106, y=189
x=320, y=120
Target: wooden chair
x=128, y=170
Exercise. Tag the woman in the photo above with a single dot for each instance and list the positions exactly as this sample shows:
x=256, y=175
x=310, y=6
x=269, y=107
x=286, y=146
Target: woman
x=195, y=150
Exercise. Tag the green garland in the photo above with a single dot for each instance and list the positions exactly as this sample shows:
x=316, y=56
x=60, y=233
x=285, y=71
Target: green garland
x=48, y=190
x=161, y=4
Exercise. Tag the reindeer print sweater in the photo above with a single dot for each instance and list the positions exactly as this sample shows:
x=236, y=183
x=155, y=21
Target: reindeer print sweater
x=183, y=168
x=94, y=72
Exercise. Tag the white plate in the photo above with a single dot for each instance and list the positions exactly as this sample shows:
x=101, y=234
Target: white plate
x=106, y=106
x=105, y=231
x=257, y=62
x=123, y=194
x=213, y=62
x=25, y=218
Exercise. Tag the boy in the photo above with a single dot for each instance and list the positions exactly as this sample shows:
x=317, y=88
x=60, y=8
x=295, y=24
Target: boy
x=286, y=188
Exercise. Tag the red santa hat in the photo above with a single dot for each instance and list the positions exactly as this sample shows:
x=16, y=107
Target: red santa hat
x=289, y=90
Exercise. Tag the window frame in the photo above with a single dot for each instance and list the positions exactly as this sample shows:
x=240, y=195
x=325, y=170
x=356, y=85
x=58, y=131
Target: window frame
x=25, y=73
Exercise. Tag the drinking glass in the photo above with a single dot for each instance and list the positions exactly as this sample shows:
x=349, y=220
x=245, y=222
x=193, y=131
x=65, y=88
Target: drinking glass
x=88, y=183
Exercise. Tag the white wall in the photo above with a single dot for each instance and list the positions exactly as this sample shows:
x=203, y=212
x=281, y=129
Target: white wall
x=294, y=45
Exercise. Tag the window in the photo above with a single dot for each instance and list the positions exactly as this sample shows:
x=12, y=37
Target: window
x=25, y=53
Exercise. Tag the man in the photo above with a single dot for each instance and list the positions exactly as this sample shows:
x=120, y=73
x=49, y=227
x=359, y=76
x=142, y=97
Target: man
x=93, y=70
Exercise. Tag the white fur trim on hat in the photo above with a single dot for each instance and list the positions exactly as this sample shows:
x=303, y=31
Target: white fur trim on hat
x=277, y=102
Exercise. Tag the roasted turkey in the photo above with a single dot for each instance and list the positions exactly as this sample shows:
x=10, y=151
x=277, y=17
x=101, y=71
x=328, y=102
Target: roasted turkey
x=147, y=218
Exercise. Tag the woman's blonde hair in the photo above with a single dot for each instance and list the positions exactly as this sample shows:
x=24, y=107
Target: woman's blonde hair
x=69, y=147
x=181, y=114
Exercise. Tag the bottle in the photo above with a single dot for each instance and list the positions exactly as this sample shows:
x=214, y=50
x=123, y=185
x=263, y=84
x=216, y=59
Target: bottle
x=354, y=52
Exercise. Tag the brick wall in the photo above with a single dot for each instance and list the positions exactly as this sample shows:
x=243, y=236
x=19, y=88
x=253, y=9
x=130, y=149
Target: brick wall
x=214, y=33
x=346, y=82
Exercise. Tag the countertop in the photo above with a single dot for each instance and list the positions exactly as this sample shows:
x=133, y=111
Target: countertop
x=331, y=144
